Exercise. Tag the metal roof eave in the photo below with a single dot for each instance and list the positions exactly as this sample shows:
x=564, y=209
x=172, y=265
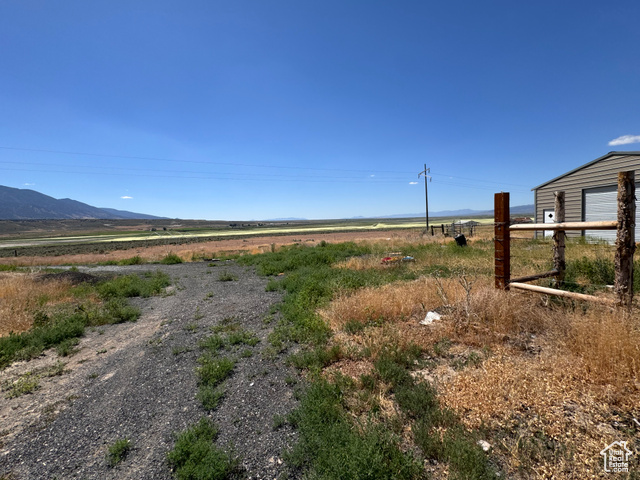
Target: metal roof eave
x=610, y=154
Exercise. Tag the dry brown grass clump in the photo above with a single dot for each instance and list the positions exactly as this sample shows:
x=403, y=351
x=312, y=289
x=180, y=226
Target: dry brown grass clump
x=485, y=315
x=365, y=262
x=547, y=418
x=21, y=295
x=478, y=313
x=390, y=303
x=609, y=343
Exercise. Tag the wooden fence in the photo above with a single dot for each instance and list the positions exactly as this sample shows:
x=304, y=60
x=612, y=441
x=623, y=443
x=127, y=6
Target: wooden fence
x=625, y=245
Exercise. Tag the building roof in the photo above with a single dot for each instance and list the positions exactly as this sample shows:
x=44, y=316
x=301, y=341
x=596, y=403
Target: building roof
x=610, y=154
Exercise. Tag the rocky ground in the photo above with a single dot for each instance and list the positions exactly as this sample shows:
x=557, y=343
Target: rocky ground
x=137, y=381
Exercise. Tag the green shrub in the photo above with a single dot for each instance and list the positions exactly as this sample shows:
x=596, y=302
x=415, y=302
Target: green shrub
x=316, y=358
x=598, y=271
x=213, y=371
x=134, y=285
x=331, y=447
x=137, y=260
x=226, y=276
x=118, y=451
x=392, y=372
x=242, y=337
x=354, y=326
x=209, y=396
x=460, y=450
x=118, y=310
x=213, y=343
x=196, y=457
x=27, y=383
x=171, y=259
x=273, y=286
x=66, y=347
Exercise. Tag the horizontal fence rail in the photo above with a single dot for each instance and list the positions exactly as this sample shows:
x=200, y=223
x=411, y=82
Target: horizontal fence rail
x=610, y=225
x=560, y=293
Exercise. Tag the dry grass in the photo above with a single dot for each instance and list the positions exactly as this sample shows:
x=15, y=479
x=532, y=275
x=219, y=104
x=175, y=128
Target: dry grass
x=21, y=295
x=562, y=383
x=609, y=343
x=488, y=316
x=546, y=417
x=389, y=303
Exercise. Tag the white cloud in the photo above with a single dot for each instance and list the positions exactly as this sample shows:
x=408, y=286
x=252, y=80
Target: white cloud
x=28, y=184
x=372, y=176
x=625, y=140
x=413, y=183
x=126, y=197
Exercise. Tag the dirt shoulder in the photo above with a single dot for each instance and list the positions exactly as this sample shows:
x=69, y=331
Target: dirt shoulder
x=138, y=381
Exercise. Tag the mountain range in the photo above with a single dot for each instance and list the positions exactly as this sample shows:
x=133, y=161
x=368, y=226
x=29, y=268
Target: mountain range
x=515, y=210
x=25, y=204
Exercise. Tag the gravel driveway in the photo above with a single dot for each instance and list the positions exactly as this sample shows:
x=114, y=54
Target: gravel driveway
x=138, y=381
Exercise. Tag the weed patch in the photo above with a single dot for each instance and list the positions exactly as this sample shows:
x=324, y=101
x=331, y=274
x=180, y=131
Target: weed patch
x=133, y=285
x=171, y=259
x=195, y=455
x=332, y=447
x=137, y=260
x=27, y=383
x=226, y=276
x=118, y=451
x=213, y=371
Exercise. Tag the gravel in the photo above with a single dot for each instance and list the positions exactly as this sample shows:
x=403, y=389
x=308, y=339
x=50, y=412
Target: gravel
x=138, y=381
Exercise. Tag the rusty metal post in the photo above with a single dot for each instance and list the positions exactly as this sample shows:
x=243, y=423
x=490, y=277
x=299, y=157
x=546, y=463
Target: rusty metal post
x=625, y=239
x=502, y=240
x=559, y=263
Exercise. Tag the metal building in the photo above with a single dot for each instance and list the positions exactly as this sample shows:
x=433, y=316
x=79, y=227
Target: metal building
x=590, y=194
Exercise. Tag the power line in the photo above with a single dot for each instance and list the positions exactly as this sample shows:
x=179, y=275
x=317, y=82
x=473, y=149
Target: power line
x=482, y=181
x=476, y=185
x=233, y=176
x=240, y=175
x=130, y=157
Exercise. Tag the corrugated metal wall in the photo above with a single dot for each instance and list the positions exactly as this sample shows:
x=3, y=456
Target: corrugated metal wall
x=603, y=173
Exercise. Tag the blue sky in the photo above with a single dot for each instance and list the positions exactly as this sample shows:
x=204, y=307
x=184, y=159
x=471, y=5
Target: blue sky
x=315, y=109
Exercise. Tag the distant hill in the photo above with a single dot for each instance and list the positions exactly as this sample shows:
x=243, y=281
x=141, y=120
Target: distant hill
x=25, y=204
x=517, y=210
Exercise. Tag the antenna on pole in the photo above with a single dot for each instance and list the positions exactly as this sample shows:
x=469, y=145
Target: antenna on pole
x=426, y=192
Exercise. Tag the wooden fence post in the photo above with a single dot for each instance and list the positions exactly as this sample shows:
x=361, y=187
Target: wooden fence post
x=502, y=240
x=559, y=263
x=625, y=240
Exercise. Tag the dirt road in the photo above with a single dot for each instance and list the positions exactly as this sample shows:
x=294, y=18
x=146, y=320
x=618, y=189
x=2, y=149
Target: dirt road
x=138, y=381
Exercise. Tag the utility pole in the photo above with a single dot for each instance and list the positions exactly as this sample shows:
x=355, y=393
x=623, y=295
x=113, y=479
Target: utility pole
x=426, y=193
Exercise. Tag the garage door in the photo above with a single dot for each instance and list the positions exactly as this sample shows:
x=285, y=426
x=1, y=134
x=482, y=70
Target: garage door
x=601, y=204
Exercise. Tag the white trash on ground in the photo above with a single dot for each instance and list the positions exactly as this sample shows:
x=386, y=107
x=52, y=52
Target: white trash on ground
x=431, y=316
x=486, y=446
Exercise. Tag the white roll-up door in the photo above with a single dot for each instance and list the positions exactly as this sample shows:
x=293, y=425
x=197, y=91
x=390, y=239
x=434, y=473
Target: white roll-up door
x=601, y=204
